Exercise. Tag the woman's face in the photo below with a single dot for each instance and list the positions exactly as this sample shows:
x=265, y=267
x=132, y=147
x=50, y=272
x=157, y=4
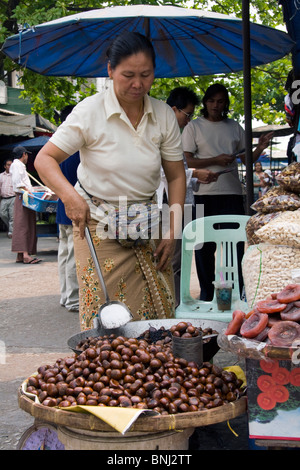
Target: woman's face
x=132, y=78
x=258, y=167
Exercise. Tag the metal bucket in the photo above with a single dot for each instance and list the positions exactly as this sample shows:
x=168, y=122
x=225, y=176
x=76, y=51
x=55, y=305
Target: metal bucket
x=190, y=349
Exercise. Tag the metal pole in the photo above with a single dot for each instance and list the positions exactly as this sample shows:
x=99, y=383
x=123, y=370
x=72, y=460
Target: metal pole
x=247, y=105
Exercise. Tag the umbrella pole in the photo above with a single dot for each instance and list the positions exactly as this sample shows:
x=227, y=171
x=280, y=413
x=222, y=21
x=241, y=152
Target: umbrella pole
x=247, y=106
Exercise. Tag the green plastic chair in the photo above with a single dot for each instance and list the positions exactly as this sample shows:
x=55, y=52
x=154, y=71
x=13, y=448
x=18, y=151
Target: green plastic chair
x=208, y=229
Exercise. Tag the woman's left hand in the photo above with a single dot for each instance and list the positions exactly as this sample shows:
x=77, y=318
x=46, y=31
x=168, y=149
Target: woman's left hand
x=164, y=252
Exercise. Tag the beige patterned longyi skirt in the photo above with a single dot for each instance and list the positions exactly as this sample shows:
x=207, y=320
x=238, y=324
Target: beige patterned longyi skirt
x=130, y=277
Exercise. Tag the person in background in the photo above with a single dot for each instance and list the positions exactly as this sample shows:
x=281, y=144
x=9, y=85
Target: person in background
x=7, y=196
x=267, y=181
x=258, y=175
x=183, y=102
x=124, y=136
x=69, y=290
x=292, y=113
x=211, y=141
x=24, y=239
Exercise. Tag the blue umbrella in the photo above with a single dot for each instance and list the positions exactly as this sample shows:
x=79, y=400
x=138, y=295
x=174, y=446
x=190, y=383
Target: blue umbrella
x=187, y=42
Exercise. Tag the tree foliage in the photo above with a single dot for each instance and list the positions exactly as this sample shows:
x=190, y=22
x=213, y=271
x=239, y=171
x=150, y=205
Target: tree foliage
x=50, y=94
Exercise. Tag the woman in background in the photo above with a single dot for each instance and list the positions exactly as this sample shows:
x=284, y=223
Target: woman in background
x=258, y=176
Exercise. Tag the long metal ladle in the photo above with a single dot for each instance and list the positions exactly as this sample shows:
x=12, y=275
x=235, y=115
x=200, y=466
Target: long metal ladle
x=113, y=313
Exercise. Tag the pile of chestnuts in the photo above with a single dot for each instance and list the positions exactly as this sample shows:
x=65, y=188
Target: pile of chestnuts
x=130, y=372
x=153, y=335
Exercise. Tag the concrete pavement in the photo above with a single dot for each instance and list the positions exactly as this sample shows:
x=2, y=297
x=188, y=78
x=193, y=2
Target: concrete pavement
x=34, y=328
x=34, y=331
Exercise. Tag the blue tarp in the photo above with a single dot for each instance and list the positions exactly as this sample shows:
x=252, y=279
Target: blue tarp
x=30, y=144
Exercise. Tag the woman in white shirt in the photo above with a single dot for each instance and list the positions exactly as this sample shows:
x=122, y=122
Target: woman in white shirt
x=124, y=136
x=211, y=141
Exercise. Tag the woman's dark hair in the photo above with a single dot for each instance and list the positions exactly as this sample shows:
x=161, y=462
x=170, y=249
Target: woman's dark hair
x=128, y=44
x=181, y=97
x=212, y=91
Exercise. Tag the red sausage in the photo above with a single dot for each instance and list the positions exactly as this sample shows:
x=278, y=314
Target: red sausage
x=284, y=333
x=254, y=325
x=233, y=327
x=290, y=293
x=270, y=306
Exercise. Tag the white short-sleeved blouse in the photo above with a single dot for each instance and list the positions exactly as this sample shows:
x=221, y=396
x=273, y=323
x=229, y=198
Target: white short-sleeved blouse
x=115, y=159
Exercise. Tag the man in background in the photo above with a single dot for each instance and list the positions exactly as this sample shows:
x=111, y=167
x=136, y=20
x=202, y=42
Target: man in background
x=69, y=290
x=183, y=101
x=7, y=196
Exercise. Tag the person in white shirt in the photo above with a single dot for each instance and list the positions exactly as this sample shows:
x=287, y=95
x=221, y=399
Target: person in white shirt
x=124, y=136
x=211, y=141
x=24, y=239
x=183, y=102
x=7, y=198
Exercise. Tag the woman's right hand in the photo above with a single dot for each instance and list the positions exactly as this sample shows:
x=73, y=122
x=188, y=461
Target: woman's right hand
x=78, y=211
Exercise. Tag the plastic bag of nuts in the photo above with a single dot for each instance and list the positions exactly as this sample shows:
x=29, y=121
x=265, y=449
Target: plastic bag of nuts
x=283, y=230
x=289, y=178
x=277, y=199
x=255, y=222
x=267, y=269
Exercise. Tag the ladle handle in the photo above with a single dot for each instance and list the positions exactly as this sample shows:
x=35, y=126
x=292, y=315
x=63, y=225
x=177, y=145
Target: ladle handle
x=96, y=262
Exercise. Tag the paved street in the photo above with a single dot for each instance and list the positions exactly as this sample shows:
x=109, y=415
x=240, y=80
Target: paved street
x=34, y=331
x=34, y=328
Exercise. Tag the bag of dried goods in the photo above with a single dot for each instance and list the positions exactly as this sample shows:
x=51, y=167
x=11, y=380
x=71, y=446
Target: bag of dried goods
x=267, y=269
x=289, y=178
x=282, y=230
x=255, y=222
x=277, y=199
